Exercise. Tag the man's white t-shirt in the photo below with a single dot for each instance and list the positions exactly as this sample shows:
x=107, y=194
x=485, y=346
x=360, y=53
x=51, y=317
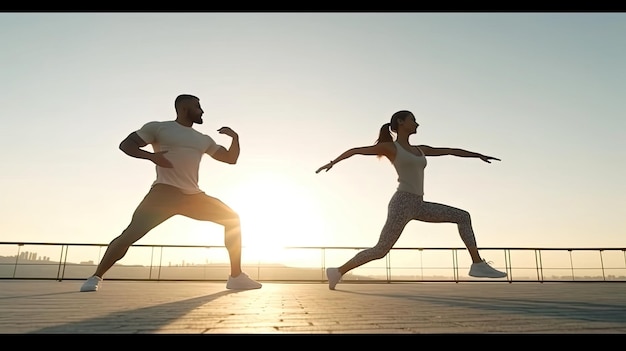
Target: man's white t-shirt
x=185, y=147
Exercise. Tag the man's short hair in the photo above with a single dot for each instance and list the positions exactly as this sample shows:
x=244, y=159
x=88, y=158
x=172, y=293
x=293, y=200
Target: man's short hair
x=182, y=98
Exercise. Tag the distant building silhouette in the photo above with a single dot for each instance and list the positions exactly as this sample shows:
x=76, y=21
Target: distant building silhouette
x=31, y=256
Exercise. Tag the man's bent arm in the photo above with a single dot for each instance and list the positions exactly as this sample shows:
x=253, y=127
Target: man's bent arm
x=132, y=145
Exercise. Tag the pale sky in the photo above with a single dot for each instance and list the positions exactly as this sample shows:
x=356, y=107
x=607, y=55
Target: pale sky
x=544, y=92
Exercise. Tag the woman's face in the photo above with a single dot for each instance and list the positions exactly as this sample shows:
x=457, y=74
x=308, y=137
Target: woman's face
x=409, y=124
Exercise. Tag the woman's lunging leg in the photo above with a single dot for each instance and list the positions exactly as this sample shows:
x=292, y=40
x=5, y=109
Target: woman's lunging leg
x=439, y=213
x=398, y=215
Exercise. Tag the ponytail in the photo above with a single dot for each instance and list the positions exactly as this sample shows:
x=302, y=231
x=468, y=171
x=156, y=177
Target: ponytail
x=385, y=134
x=385, y=131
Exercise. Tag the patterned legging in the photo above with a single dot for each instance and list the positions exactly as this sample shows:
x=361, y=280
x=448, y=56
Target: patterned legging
x=404, y=207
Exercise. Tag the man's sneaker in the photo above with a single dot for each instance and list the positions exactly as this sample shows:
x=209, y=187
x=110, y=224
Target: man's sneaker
x=91, y=284
x=333, y=276
x=242, y=282
x=482, y=269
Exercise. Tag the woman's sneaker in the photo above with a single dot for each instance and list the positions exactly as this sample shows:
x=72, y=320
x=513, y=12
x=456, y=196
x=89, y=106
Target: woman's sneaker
x=482, y=269
x=91, y=284
x=242, y=282
x=333, y=276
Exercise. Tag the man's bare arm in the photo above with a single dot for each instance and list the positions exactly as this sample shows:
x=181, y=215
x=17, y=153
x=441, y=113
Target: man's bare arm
x=132, y=146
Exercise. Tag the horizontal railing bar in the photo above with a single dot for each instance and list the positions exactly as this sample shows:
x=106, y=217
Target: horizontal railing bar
x=331, y=247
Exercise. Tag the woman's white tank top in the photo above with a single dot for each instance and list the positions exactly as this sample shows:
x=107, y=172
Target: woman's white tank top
x=410, y=169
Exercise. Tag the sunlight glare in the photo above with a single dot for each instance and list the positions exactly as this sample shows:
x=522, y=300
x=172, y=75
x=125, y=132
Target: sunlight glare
x=276, y=212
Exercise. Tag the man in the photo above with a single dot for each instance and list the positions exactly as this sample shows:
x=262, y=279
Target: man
x=178, y=149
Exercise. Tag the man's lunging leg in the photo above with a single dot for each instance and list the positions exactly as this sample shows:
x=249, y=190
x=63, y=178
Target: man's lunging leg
x=207, y=208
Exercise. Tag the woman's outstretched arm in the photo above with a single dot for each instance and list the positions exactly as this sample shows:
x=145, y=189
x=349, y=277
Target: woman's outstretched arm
x=380, y=149
x=441, y=151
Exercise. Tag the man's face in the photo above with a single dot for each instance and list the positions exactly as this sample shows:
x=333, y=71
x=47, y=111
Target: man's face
x=195, y=112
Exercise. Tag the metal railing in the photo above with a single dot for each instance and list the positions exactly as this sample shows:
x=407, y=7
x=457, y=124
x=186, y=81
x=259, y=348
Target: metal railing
x=68, y=261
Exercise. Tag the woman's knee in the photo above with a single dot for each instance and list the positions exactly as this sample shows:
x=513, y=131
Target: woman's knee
x=379, y=252
x=464, y=217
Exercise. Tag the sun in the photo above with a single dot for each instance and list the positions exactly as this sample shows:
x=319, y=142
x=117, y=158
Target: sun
x=276, y=212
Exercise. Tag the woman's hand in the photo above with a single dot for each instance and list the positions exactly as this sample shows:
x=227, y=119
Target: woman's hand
x=488, y=158
x=327, y=167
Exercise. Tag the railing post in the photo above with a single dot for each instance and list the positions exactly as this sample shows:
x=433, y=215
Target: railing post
x=539, y=265
x=388, y=267
x=62, y=263
x=17, y=257
x=160, y=263
x=571, y=264
x=324, y=263
x=455, y=266
x=151, y=263
x=602, y=265
x=421, y=263
x=508, y=266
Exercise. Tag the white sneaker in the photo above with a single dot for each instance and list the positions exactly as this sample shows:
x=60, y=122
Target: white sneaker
x=242, y=282
x=482, y=269
x=91, y=284
x=333, y=276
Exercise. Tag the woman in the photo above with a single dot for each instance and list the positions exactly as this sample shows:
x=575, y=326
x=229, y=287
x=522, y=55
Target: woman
x=407, y=203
